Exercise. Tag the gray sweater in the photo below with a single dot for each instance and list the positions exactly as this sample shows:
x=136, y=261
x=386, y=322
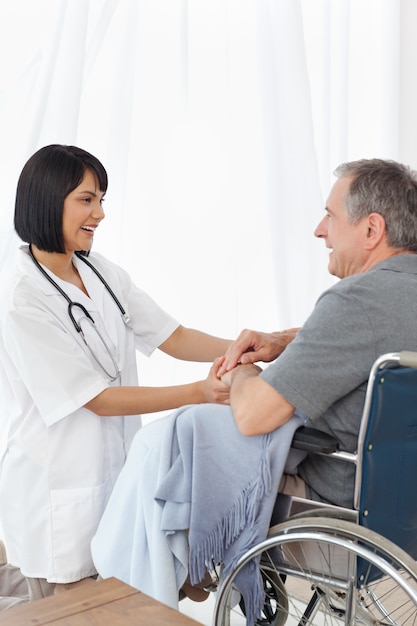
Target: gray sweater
x=324, y=371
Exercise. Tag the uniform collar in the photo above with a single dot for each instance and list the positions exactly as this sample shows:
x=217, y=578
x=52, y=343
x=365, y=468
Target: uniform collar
x=94, y=287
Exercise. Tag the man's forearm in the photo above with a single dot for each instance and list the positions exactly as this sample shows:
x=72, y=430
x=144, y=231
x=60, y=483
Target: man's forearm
x=257, y=407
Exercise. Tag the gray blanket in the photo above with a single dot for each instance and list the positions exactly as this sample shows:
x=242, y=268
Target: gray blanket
x=209, y=484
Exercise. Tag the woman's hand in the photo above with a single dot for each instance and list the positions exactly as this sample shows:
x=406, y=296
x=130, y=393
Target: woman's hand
x=246, y=371
x=213, y=388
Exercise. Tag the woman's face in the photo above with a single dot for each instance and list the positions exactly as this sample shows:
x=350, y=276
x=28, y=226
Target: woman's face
x=82, y=213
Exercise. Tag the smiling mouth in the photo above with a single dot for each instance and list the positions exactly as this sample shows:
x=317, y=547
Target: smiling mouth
x=89, y=229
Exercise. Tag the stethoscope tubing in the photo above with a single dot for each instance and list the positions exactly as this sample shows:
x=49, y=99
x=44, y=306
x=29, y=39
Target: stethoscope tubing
x=106, y=285
x=72, y=304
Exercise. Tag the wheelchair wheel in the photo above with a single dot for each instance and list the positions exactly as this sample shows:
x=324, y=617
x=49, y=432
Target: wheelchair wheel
x=275, y=607
x=335, y=573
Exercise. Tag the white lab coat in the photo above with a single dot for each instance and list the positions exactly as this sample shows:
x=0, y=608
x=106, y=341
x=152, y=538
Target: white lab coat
x=61, y=460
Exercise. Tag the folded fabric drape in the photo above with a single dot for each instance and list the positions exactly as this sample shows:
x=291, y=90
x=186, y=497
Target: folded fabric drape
x=194, y=491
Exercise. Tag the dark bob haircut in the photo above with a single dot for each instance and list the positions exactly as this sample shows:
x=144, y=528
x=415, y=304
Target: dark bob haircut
x=47, y=178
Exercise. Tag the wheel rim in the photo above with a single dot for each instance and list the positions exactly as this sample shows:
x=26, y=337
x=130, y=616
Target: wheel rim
x=343, y=602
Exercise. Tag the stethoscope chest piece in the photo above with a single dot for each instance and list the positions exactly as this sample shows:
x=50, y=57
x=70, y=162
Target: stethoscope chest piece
x=87, y=318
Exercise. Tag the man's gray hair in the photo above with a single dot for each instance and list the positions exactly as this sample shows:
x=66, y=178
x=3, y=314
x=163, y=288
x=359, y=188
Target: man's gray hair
x=388, y=188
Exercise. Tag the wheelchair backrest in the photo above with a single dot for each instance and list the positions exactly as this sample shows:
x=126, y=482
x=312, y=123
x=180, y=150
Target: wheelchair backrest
x=387, y=470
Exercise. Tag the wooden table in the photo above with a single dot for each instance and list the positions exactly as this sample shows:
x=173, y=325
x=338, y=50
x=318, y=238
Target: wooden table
x=108, y=602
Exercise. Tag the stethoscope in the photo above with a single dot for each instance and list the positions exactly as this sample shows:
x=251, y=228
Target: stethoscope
x=87, y=317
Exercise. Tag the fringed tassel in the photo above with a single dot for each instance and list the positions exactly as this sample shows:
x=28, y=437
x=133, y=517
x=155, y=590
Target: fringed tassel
x=242, y=514
x=249, y=583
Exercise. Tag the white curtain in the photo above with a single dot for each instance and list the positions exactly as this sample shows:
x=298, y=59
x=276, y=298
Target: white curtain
x=220, y=123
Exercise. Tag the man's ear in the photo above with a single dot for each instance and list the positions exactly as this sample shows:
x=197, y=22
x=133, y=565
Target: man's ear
x=377, y=230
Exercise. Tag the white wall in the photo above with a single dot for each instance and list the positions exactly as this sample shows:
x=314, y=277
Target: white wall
x=408, y=84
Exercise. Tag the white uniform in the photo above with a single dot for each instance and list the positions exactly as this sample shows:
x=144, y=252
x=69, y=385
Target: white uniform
x=61, y=460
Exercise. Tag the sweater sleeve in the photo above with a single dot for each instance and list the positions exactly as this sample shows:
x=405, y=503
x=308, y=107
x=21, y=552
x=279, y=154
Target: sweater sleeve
x=330, y=356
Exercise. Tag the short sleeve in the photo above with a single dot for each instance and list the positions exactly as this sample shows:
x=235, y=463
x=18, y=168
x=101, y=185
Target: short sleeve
x=151, y=324
x=330, y=356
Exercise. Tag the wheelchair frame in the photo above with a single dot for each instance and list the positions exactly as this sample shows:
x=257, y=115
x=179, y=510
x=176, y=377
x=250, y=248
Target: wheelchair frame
x=358, y=563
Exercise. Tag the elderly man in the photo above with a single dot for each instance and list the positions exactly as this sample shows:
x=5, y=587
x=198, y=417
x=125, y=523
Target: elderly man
x=370, y=226
x=201, y=483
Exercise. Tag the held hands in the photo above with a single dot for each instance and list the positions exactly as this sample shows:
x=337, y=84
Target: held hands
x=252, y=346
x=245, y=371
x=213, y=388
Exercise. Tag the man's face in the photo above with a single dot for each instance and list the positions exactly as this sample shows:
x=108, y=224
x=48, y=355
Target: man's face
x=345, y=239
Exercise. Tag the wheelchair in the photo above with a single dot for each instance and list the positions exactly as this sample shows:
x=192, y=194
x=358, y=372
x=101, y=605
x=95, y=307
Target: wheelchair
x=328, y=565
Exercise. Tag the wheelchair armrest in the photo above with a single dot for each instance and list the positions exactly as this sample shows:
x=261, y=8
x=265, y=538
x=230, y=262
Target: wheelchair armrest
x=314, y=440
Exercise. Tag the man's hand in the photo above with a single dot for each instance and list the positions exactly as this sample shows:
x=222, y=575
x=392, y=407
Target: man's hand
x=246, y=371
x=252, y=346
x=257, y=407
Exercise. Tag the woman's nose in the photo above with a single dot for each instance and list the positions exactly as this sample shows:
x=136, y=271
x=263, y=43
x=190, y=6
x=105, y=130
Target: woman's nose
x=98, y=212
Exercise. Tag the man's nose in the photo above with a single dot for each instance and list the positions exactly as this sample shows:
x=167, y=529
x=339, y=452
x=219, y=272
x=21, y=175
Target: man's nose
x=320, y=230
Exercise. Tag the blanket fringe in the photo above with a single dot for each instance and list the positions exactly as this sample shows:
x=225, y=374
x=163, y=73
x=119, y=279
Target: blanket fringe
x=243, y=513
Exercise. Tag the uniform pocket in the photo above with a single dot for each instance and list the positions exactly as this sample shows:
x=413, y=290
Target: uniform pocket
x=75, y=516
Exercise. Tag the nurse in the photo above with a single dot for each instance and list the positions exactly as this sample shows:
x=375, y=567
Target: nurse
x=69, y=330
